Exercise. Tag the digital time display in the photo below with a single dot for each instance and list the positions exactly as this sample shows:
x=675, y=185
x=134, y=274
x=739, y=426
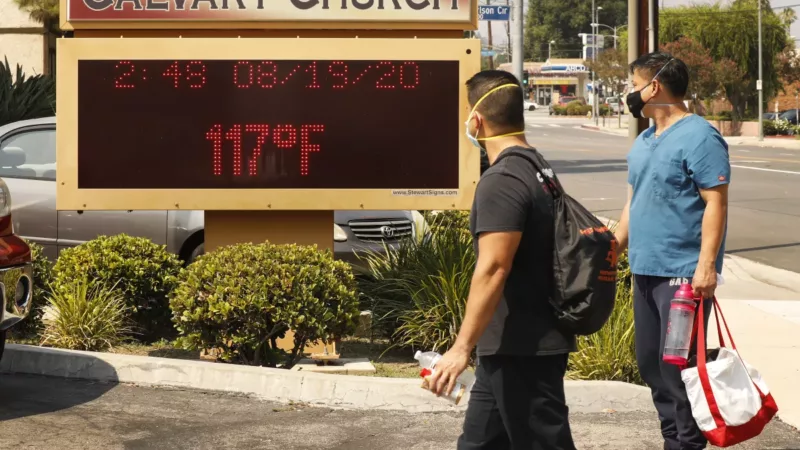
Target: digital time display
x=275, y=124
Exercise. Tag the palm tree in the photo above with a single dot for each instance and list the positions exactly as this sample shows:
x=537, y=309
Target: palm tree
x=788, y=16
x=42, y=11
x=25, y=97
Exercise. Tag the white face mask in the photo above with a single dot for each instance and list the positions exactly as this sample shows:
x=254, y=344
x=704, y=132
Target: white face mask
x=473, y=139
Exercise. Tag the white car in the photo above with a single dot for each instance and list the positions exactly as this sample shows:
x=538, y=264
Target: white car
x=530, y=106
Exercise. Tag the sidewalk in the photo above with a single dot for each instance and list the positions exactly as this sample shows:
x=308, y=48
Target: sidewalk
x=762, y=307
x=771, y=142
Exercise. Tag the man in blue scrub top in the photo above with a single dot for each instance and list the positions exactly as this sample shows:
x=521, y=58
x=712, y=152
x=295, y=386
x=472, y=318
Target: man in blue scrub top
x=674, y=224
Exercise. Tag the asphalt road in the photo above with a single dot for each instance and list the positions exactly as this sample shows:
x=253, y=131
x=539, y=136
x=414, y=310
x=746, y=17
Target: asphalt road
x=39, y=413
x=764, y=210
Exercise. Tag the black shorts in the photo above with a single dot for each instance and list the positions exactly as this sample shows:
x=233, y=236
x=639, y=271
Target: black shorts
x=518, y=403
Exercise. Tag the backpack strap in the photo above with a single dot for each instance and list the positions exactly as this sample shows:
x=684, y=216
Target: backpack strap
x=553, y=184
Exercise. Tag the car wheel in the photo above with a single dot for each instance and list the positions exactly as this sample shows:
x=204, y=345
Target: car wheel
x=199, y=250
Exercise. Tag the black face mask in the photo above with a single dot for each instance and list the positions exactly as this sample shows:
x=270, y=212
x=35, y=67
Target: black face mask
x=635, y=103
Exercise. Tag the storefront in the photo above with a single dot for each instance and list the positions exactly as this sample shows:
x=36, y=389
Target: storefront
x=555, y=78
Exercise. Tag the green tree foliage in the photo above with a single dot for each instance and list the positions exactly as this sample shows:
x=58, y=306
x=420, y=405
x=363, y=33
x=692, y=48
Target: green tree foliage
x=23, y=97
x=42, y=11
x=729, y=32
x=562, y=21
x=707, y=77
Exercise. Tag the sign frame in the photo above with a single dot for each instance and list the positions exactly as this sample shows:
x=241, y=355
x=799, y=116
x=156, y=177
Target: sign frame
x=68, y=24
x=496, y=15
x=70, y=51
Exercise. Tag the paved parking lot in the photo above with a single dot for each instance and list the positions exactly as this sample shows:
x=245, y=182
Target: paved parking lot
x=49, y=413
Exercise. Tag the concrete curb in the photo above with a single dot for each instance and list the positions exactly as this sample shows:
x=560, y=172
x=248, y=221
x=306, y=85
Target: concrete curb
x=337, y=391
x=612, y=131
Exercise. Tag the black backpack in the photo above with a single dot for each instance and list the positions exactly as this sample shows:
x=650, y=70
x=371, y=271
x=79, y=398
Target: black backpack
x=584, y=258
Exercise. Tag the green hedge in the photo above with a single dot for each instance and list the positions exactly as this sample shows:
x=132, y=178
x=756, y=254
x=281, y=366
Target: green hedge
x=241, y=299
x=142, y=272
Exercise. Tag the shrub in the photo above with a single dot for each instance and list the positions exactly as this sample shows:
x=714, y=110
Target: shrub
x=42, y=277
x=605, y=110
x=418, y=291
x=142, y=272
x=575, y=108
x=241, y=299
x=726, y=115
x=23, y=97
x=83, y=315
x=778, y=128
x=560, y=110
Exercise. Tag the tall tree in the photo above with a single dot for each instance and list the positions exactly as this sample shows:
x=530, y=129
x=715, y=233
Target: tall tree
x=42, y=11
x=728, y=32
x=611, y=68
x=562, y=21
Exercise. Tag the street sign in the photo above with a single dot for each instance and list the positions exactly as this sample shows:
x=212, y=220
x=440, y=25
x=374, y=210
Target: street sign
x=493, y=12
x=488, y=53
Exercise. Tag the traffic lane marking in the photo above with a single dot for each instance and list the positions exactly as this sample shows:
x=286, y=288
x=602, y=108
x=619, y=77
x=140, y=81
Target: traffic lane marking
x=764, y=169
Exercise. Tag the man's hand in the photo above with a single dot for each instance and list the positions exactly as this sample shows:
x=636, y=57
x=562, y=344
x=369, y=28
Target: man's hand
x=704, y=281
x=452, y=364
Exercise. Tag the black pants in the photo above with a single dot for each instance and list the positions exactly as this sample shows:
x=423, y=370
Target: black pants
x=518, y=403
x=651, y=301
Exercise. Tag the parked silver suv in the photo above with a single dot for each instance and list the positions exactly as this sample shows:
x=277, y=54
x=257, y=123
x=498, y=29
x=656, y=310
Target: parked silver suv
x=28, y=165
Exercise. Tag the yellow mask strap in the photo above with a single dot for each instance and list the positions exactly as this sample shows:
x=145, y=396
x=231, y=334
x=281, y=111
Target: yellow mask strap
x=491, y=92
x=516, y=133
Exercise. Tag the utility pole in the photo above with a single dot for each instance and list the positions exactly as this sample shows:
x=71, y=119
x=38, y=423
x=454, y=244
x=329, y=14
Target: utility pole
x=594, y=59
x=489, y=36
x=642, y=36
x=760, y=83
x=517, y=54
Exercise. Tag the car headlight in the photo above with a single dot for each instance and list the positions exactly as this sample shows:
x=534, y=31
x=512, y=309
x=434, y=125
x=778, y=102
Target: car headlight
x=338, y=233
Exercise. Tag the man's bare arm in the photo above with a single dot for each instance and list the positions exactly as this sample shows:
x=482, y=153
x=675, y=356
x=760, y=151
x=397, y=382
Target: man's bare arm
x=713, y=229
x=496, y=252
x=714, y=218
x=621, y=232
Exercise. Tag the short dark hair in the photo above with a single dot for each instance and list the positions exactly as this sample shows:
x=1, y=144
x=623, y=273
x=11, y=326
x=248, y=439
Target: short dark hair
x=504, y=107
x=674, y=76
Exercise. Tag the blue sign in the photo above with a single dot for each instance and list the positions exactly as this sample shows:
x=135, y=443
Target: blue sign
x=487, y=53
x=494, y=12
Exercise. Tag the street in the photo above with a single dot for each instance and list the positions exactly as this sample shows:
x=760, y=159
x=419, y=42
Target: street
x=764, y=206
x=56, y=414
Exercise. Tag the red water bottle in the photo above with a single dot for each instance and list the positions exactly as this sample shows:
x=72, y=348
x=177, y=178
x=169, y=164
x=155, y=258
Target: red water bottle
x=680, y=326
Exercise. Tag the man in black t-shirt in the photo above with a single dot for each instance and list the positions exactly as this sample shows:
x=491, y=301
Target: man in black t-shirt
x=518, y=397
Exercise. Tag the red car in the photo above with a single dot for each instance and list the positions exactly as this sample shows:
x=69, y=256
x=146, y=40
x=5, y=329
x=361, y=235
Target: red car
x=16, y=270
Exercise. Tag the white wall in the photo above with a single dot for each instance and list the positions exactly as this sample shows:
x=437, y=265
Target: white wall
x=26, y=50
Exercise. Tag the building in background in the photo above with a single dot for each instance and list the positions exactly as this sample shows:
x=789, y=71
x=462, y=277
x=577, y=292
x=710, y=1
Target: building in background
x=555, y=78
x=28, y=43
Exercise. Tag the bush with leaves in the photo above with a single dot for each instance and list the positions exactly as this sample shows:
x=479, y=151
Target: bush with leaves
x=42, y=276
x=417, y=292
x=142, y=272
x=85, y=315
x=23, y=97
x=241, y=299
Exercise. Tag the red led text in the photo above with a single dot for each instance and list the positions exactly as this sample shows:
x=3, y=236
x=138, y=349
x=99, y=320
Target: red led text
x=283, y=137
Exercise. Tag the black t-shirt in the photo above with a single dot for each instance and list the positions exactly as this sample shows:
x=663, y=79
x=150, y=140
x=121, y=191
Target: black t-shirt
x=512, y=196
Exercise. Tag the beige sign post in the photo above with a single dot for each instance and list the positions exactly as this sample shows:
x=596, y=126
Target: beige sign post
x=267, y=114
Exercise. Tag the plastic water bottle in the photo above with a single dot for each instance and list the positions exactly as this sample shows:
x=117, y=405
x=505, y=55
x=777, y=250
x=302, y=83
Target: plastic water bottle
x=680, y=326
x=462, y=386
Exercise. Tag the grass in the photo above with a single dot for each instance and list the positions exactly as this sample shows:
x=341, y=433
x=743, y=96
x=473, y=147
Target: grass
x=389, y=362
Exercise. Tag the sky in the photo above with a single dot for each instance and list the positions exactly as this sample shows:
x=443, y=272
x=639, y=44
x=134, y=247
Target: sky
x=499, y=28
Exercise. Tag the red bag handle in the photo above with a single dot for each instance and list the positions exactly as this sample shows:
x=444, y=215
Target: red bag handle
x=702, y=371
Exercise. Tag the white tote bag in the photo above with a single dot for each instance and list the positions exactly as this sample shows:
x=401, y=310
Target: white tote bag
x=730, y=400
